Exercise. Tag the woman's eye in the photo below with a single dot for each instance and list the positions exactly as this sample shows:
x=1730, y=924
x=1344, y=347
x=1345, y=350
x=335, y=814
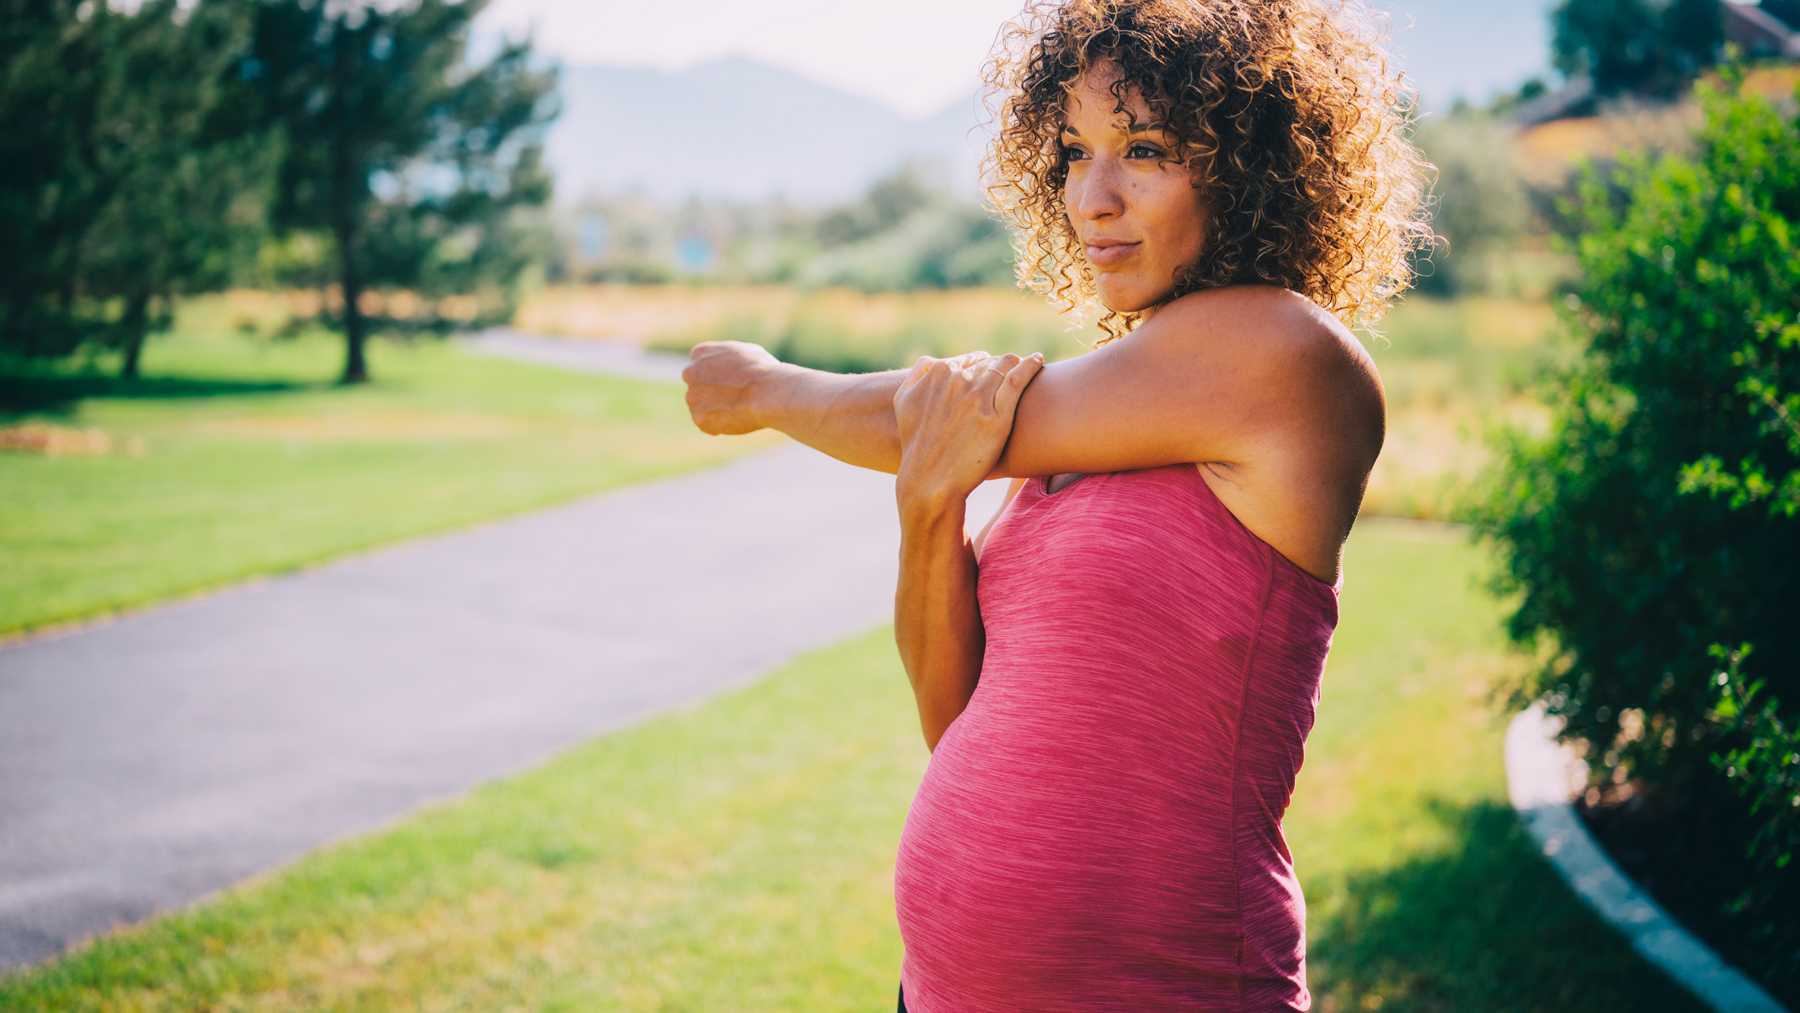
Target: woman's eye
x=1073, y=154
x=1145, y=151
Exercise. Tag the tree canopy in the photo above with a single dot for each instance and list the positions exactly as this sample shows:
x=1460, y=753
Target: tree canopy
x=153, y=152
x=407, y=157
x=116, y=185
x=1644, y=46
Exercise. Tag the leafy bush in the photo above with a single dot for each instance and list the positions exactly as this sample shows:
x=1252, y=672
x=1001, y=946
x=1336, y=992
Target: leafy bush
x=1764, y=764
x=1657, y=521
x=1657, y=518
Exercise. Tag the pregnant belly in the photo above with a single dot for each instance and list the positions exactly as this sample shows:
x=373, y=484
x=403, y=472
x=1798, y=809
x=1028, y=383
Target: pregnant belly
x=1031, y=871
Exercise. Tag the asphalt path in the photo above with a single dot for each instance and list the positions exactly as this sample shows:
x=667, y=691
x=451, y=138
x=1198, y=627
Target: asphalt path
x=148, y=762
x=587, y=355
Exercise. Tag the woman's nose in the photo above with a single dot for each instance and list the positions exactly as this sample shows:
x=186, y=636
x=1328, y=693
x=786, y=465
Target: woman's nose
x=1100, y=194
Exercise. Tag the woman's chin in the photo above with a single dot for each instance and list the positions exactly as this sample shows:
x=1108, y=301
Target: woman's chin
x=1126, y=295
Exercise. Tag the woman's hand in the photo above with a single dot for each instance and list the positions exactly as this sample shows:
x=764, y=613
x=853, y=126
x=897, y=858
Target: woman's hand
x=726, y=382
x=955, y=416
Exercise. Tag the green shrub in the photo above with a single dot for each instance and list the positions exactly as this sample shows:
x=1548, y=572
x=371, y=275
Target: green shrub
x=1657, y=518
x=1763, y=762
x=1657, y=521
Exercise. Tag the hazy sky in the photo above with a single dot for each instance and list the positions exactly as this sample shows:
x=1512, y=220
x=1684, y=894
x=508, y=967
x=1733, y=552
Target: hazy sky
x=920, y=55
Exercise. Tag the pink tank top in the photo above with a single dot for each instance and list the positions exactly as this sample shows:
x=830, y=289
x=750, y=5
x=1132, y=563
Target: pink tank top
x=1101, y=828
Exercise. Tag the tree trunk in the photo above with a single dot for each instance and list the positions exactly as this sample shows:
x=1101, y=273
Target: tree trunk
x=356, y=367
x=137, y=327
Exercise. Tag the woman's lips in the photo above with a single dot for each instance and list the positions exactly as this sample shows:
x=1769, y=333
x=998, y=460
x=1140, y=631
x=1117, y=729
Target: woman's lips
x=1108, y=252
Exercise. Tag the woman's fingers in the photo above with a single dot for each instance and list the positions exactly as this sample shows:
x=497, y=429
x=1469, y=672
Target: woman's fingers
x=915, y=374
x=988, y=376
x=1012, y=386
x=996, y=381
x=718, y=375
x=955, y=416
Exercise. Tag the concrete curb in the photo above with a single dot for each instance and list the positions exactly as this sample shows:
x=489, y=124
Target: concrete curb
x=1542, y=776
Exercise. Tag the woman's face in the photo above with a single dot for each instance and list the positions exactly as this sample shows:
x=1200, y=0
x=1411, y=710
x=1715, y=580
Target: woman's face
x=1135, y=209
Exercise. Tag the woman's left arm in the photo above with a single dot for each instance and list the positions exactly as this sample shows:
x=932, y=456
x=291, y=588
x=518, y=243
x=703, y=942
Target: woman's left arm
x=954, y=420
x=1222, y=375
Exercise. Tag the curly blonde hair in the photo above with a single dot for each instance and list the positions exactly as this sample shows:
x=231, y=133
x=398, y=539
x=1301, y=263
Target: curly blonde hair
x=1285, y=112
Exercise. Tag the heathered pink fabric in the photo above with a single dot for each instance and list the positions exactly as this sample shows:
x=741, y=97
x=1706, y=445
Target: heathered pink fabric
x=1101, y=828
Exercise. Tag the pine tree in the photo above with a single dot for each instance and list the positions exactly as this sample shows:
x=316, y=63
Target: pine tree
x=192, y=209
x=411, y=160
x=64, y=150
x=116, y=185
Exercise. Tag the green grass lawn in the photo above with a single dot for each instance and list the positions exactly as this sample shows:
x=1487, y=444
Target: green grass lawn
x=237, y=455
x=1424, y=892
x=739, y=856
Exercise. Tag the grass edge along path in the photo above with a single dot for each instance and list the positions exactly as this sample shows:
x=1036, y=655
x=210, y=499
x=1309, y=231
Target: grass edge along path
x=739, y=855
x=249, y=463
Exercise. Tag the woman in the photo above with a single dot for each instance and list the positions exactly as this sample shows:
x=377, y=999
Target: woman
x=1118, y=706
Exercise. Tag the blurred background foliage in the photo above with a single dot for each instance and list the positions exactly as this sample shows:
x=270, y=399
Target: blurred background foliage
x=1644, y=47
x=908, y=231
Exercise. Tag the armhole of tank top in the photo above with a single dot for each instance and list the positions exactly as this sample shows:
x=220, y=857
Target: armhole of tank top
x=1276, y=558
x=981, y=537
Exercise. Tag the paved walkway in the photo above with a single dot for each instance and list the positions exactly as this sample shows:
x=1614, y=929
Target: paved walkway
x=149, y=762
x=586, y=355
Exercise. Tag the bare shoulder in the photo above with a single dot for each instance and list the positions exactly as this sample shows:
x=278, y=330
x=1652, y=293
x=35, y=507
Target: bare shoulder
x=1262, y=325
x=1295, y=406
x=1258, y=380
x=1276, y=339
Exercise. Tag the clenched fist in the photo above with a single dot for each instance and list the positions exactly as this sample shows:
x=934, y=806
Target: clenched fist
x=724, y=379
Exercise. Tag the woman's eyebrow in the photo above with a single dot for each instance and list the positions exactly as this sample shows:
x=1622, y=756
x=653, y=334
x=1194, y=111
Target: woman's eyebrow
x=1139, y=128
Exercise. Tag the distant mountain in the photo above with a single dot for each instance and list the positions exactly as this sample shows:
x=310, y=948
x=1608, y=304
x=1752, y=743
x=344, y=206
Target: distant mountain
x=738, y=129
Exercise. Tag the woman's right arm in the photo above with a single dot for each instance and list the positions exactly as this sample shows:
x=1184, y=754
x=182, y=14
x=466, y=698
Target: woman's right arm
x=952, y=422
